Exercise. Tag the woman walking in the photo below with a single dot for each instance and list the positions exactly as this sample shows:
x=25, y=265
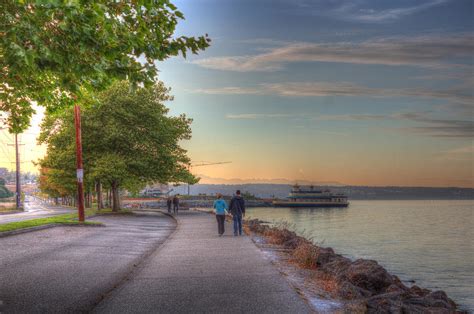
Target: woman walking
x=220, y=207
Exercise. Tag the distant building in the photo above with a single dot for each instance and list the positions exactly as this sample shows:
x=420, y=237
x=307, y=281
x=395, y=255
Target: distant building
x=156, y=190
x=3, y=172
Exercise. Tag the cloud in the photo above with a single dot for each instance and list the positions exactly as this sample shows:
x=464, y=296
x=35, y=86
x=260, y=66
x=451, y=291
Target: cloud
x=254, y=116
x=354, y=10
x=458, y=95
x=424, y=51
x=426, y=125
x=444, y=128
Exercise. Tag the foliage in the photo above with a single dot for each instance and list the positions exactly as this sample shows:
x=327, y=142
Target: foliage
x=129, y=141
x=248, y=196
x=4, y=192
x=56, y=52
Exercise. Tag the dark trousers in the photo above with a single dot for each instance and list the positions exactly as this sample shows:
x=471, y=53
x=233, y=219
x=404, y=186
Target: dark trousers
x=237, y=224
x=220, y=224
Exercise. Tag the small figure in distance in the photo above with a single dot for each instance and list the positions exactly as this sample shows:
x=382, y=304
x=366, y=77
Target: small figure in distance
x=169, y=202
x=220, y=207
x=237, y=209
x=175, y=204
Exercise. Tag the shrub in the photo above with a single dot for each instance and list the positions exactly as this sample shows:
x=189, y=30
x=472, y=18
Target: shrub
x=306, y=255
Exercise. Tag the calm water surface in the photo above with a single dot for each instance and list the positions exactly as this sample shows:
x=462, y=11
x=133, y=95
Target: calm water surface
x=431, y=242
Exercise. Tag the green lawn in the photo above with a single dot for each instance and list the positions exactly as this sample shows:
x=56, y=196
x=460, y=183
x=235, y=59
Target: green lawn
x=61, y=219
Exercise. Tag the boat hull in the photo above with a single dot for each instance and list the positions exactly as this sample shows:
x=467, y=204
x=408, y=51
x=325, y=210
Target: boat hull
x=308, y=204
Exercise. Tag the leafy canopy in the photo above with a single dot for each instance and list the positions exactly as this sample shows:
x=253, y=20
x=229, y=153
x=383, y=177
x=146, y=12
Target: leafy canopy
x=53, y=52
x=129, y=140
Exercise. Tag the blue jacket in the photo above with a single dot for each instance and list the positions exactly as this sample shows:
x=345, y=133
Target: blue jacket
x=220, y=206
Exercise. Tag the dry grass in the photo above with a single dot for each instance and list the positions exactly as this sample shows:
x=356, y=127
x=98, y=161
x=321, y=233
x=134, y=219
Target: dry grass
x=306, y=254
x=328, y=283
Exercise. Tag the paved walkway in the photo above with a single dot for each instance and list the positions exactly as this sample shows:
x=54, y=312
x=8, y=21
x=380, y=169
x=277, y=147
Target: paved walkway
x=195, y=271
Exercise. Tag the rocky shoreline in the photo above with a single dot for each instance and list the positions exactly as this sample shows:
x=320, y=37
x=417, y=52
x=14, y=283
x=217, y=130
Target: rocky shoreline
x=362, y=285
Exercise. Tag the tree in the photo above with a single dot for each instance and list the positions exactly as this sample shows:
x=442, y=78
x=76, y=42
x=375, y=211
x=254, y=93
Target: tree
x=54, y=52
x=129, y=140
x=4, y=192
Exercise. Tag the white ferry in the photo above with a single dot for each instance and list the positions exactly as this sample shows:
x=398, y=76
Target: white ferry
x=311, y=197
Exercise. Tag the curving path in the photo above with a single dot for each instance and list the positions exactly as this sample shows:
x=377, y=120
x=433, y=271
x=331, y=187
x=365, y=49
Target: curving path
x=195, y=271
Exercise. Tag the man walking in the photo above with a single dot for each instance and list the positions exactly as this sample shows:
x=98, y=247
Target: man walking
x=175, y=204
x=237, y=209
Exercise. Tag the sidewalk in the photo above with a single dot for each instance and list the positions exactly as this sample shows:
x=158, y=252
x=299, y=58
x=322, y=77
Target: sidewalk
x=197, y=271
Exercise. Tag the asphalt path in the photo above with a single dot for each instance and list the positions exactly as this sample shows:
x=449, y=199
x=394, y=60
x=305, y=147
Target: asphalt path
x=35, y=208
x=196, y=271
x=70, y=269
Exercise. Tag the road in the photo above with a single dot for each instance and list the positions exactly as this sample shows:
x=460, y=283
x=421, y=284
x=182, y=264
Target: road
x=70, y=269
x=34, y=208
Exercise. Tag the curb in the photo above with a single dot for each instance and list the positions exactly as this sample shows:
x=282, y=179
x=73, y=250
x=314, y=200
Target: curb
x=25, y=230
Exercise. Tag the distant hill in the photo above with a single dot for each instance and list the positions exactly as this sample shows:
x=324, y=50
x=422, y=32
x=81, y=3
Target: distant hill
x=354, y=192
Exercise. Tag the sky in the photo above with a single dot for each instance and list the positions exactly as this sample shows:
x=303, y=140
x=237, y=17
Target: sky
x=360, y=92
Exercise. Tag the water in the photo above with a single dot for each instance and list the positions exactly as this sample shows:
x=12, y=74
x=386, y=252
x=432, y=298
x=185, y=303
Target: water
x=431, y=242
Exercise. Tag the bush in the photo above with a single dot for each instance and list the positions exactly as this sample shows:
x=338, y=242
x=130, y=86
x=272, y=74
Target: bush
x=306, y=255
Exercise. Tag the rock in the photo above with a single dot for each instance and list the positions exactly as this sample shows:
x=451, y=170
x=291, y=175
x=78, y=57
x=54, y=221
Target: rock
x=337, y=266
x=440, y=299
x=324, y=256
x=419, y=291
x=350, y=292
x=369, y=275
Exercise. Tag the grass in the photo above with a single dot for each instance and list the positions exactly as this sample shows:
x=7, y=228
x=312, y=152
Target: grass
x=66, y=219
x=9, y=209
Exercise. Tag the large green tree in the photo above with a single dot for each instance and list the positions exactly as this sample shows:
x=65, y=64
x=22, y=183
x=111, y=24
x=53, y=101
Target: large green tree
x=53, y=51
x=129, y=140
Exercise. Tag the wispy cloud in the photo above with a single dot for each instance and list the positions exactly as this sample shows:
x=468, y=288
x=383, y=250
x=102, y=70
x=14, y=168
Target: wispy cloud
x=459, y=95
x=425, y=51
x=460, y=153
x=444, y=128
x=254, y=116
x=363, y=11
x=426, y=125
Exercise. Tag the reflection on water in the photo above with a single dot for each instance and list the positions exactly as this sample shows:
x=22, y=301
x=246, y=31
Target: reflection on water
x=431, y=242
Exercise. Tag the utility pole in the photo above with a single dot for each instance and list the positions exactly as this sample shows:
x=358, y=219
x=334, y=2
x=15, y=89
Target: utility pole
x=80, y=168
x=18, y=175
x=18, y=183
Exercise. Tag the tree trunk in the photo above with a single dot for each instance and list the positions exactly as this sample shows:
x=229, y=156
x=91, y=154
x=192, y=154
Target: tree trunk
x=86, y=200
x=115, y=197
x=89, y=198
x=98, y=186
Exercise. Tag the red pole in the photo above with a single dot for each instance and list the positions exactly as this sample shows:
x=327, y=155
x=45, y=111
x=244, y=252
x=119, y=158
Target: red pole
x=80, y=170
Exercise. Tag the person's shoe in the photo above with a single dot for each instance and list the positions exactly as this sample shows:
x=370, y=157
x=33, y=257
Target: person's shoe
x=235, y=234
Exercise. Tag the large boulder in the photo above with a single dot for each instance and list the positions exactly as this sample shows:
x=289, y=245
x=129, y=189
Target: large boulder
x=369, y=275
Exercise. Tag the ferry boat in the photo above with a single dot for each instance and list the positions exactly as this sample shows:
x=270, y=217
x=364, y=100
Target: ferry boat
x=311, y=197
